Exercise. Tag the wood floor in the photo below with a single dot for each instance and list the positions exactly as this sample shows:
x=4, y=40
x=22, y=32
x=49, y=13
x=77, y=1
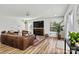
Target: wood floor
x=48, y=46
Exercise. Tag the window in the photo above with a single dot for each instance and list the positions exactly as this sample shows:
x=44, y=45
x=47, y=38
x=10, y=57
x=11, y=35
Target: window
x=51, y=26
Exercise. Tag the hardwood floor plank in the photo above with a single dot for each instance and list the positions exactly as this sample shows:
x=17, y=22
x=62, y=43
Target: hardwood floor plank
x=47, y=46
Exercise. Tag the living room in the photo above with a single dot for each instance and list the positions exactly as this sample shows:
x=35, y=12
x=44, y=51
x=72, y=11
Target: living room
x=29, y=28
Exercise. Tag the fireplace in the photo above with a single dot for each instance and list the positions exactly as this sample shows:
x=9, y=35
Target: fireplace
x=38, y=27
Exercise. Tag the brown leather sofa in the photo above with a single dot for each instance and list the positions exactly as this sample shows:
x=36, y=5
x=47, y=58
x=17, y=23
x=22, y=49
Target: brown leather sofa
x=17, y=41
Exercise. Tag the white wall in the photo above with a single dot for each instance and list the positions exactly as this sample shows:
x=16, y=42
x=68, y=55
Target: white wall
x=10, y=23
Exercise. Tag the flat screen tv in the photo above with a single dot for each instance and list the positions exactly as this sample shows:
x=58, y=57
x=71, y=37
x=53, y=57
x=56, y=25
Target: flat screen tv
x=38, y=24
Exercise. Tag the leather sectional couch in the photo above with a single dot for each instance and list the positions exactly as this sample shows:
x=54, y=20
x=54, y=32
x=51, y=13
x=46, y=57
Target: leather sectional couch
x=17, y=41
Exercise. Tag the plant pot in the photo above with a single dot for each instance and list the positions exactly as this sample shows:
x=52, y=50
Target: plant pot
x=59, y=36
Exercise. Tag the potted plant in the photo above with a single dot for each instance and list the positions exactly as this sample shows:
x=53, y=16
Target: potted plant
x=74, y=38
x=58, y=27
x=77, y=37
x=77, y=40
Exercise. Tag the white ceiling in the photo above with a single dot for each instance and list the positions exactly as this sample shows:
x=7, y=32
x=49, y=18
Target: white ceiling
x=35, y=10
